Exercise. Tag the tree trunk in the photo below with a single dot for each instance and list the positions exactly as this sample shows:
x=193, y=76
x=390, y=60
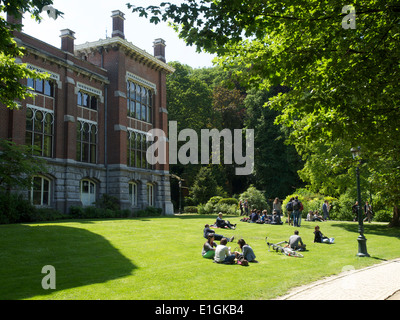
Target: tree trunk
x=396, y=218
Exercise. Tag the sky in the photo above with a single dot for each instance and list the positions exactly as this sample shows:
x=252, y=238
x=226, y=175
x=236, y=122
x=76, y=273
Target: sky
x=91, y=20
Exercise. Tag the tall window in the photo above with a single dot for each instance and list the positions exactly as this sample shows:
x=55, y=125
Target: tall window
x=133, y=193
x=140, y=102
x=150, y=194
x=88, y=192
x=87, y=101
x=137, y=149
x=39, y=130
x=86, y=137
x=39, y=195
x=45, y=87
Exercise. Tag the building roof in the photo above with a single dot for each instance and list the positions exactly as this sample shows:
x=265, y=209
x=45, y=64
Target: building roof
x=130, y=49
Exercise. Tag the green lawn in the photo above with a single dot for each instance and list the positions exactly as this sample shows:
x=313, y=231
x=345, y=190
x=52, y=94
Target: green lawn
x=160, y=259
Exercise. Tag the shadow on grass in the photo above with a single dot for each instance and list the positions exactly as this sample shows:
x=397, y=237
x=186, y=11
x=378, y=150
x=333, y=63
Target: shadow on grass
x=375, y=229
x=79, y=257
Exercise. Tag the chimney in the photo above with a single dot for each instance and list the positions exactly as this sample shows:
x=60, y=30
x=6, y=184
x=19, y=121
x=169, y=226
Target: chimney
x=159, y=49
x=67, y=40
x=12, y=19
x=118, y=24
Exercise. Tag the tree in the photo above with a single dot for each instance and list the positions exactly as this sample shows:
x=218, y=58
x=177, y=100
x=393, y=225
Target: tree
x=204, y=186
x=344, y=78
x=255, y=198
x=17, y=166
x=11, y=90
x=275, y=163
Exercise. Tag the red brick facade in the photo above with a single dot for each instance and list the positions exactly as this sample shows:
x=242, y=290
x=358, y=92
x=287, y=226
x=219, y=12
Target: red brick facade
x=84, y=135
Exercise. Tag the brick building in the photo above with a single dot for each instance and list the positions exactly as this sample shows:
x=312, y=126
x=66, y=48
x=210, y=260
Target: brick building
x=91, y=119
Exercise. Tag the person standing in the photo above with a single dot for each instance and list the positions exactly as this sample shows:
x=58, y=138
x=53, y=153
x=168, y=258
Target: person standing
x=368, y=212
x=246, y=207
x=241, y=207
x=325, y=210
x=296, y=212
x=354, y=208
x=277, y=206
x=289, y=209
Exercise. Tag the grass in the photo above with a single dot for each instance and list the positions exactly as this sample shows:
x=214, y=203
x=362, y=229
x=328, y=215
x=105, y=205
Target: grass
x=160, y=259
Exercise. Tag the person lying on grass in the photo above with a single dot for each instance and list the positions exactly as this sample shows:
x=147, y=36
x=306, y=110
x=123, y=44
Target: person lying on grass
x=207, y=231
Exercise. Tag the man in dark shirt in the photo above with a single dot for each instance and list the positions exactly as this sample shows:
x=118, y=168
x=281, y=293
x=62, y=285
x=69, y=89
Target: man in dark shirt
x=217, y=237
x=221, y=223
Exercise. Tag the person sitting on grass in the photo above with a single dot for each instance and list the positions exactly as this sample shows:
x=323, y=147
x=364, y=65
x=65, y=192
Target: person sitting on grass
x=247, y=252
x=207, y=231
x=223, y=253
x=275, y=219
x=221, y=223
x=209, y=247
x=320, y=238
x=294, y=241
x=263, y=218
x=254, y=216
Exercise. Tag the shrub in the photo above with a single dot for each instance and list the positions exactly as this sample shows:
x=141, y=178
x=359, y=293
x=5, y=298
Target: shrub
x=226, y=209
x=214, y=200
x=190, y=209
x=201, y=209
x=343, y=208
x=312, y=202
x=255, y=198
x=230, y=201
x=108, y=202
x=149, y=212
x=14, y=208
x=383, y=216
x=219, y=204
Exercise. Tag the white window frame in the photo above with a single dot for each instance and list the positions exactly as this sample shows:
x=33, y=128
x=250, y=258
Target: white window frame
x=89, y=198
x=42, y=191
x=133, y=193
x=150, y=195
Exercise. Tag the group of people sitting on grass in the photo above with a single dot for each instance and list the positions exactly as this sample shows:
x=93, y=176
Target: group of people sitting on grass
x=257, y=216
x=222, y=253
x=314, y=216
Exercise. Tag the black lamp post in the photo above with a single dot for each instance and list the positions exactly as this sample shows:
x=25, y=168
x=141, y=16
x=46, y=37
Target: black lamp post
x=362, y=241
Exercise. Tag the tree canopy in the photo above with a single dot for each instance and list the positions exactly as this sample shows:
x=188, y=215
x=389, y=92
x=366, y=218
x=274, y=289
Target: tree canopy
x=342, y=67
x=11, y=71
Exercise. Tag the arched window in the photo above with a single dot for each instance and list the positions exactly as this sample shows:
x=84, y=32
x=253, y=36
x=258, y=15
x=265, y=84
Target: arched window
x=88, y=192
x=133, y=193
x=39, y=130
x=39, y=195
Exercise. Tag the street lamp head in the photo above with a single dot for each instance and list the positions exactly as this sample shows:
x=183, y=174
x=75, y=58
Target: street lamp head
x=356, y=152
